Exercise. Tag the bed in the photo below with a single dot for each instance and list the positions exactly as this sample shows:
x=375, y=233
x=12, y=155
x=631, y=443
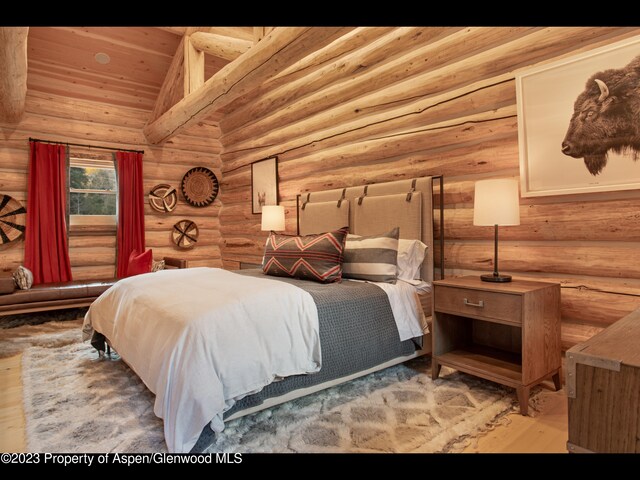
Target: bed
x=224, y=356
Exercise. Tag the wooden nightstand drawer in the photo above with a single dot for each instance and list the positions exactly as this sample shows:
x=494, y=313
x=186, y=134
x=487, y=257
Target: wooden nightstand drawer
x=498, y=307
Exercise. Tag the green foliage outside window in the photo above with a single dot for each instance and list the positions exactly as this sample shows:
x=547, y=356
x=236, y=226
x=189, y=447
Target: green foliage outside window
x=92, y=191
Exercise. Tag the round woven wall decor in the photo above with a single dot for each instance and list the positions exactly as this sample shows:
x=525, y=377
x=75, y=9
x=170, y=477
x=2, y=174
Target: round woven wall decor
x=13, y=218
x=163, y=198
x=200, y=187
x=185, y=234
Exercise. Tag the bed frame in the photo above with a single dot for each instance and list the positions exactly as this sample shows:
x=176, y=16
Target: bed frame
x=368, y=210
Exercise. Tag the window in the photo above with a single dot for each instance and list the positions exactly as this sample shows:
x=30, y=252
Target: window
x=92, y=192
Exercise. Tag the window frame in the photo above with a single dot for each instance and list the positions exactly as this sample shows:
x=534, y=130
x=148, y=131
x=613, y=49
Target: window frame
x=85, y=222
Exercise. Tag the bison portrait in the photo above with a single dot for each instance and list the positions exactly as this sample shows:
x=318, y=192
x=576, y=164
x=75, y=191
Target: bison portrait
x=606, y=117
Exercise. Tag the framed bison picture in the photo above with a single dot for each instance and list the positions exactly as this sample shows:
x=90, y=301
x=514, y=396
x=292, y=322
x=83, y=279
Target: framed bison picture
x=579, y=122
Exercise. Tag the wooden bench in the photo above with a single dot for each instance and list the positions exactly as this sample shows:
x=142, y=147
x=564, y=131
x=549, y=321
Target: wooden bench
x=58, y=296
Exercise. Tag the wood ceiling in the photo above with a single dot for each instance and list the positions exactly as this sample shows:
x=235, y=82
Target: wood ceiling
x=61, y=60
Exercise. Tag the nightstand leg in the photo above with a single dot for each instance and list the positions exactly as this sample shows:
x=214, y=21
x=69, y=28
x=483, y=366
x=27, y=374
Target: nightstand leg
x=523, y=399
x=435, y=369
x=556, y=381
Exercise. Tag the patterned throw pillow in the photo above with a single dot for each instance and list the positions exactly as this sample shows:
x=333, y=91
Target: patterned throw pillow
x=373, y=258
x=23, y=278
x=309, y=257
x=157, y=266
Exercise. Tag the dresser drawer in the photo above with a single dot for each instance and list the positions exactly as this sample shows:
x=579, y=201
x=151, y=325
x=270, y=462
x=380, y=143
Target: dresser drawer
x=505, y=308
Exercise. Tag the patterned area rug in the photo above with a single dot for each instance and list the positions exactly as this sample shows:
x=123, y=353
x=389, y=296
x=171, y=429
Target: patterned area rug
x=75, y=401
x=38, y=318
x=36, y=333
x=399, y=409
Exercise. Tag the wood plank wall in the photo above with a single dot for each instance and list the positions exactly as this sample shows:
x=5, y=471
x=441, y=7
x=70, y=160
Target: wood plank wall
x=393, y=103
x=53, y=117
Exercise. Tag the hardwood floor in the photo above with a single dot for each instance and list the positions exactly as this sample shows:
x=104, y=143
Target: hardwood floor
x=544, y=433
x=12, y=422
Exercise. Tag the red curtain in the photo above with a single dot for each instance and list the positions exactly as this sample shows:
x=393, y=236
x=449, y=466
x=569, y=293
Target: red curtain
x=46, y=251
x=130, y=208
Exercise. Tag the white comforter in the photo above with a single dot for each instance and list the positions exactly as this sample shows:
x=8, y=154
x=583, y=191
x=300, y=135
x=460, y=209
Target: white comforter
x=199, y=357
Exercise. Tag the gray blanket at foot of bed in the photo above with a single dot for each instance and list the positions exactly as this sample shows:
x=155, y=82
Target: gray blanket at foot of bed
x=357, y=332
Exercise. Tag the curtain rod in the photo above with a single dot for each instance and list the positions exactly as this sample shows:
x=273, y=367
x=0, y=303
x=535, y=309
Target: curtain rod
x=85, y=145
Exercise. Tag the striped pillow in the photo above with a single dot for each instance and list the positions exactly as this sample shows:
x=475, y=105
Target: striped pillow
x=315, y=257
x=373, y=258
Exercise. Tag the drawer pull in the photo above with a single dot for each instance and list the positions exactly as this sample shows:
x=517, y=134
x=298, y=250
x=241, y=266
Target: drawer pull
x=480, y=304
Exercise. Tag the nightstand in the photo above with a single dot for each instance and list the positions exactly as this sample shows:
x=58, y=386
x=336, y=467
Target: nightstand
x=508, y=333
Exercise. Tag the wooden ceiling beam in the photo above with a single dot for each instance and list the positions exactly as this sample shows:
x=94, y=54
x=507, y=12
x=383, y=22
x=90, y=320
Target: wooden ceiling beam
x=258, y=33
x=220, y=46
x=275, y=52
x=243, y=33
x=193, y=66
x=192, y=30
x=13, y=68
x=185, y=74
x=167, y=96
x=174, y=30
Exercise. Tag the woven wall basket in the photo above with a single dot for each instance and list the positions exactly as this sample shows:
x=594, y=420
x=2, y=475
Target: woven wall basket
x=200, y=187
x=13, y=218
x=185, y=234
x=163, y=198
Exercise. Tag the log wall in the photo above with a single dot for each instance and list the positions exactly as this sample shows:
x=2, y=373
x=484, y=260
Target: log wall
x=53, y=117
x=393, y=103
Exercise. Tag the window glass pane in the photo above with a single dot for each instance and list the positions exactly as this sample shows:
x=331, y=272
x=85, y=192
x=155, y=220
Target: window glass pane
x=88, y=178
x=93, y=191
x=92, y=204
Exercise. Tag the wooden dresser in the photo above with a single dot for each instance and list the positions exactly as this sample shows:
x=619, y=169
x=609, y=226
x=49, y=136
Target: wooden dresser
x=505, y=332
x=603, y=386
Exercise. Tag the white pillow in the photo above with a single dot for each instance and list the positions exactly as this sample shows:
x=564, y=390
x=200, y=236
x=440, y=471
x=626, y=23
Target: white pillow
x=410, y=257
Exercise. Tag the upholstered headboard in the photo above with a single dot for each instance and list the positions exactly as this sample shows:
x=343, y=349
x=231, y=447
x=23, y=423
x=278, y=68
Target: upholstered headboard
x=374, y=209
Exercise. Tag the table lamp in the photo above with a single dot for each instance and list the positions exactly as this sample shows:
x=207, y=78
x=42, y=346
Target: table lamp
x=273, y=217
x=496, y=203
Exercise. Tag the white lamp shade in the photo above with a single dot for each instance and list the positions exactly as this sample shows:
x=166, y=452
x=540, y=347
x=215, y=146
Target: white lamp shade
x=273, y=217
x=496, y=202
